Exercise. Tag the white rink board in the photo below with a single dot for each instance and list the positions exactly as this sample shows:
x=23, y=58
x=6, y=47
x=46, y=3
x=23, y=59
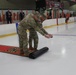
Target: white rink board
x=11, y=28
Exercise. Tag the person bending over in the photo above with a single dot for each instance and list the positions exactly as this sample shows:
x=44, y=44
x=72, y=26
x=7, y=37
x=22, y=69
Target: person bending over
x=30, y=21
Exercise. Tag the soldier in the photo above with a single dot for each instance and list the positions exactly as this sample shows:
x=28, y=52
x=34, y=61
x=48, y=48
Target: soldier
x=33, y=37
x=30, y=21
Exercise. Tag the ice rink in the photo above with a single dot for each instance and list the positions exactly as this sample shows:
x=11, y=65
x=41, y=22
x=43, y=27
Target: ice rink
x=59, y=60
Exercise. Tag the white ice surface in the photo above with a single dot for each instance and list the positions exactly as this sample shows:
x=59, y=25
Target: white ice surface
x=59, y=60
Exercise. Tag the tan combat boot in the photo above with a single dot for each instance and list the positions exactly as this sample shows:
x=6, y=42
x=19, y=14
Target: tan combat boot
x=26, y=54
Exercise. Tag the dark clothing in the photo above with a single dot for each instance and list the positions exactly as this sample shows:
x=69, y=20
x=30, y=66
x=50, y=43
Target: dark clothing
x=21, y=15
x=9, y=17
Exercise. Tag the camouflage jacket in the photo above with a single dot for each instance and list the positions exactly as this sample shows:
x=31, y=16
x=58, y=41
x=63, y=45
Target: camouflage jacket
x=29, y=22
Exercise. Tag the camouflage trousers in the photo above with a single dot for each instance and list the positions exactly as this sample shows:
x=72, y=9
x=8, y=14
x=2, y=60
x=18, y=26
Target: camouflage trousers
x=23, y=42
x=33, y=39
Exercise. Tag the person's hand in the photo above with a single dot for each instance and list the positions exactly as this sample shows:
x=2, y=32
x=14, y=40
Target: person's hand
x=48, y=35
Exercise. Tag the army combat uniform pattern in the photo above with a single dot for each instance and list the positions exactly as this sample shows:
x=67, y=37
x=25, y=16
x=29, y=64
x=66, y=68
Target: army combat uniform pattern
x=33, y=37
x=27, y=23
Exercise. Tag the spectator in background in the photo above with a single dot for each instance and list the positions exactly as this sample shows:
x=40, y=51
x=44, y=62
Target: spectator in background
x=60, y=15
x=50, y=14
x=21, y=15
x=8, y=16
x=67, y=17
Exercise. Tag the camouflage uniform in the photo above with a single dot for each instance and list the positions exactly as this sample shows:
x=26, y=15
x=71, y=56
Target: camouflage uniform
x=33, y=34
x=27, y=23
x=33, y=37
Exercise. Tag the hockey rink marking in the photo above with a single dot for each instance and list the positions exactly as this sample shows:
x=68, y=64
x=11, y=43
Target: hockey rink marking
x=64, y=34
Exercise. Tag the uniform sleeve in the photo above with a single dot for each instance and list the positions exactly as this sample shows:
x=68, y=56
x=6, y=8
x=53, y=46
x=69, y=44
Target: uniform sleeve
x=39, y=29
x=41, y=26
x=34, y=25
x=44, y=30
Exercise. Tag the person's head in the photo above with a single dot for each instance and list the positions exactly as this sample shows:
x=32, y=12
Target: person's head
x=7, y=9
x=21, y=10
x=41, y=16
